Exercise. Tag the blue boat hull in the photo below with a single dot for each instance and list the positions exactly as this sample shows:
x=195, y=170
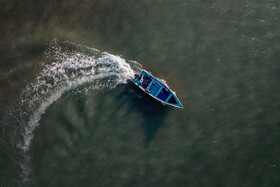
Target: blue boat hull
x=156, y=89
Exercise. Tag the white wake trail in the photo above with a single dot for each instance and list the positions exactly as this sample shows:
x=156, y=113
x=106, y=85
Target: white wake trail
x=69, y=67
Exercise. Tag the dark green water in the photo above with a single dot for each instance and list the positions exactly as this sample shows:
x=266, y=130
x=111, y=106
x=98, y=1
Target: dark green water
x=69, y=115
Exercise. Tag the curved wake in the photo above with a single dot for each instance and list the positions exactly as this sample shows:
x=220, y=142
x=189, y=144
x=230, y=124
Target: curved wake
x=67, y=66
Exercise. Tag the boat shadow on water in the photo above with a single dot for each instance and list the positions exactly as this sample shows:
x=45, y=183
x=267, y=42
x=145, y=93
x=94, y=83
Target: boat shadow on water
x=153, y=112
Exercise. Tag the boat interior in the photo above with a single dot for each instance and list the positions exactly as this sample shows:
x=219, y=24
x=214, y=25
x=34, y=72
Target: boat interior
x=152, y=86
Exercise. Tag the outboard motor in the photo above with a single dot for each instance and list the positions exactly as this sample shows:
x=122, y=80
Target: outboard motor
x=136, y=76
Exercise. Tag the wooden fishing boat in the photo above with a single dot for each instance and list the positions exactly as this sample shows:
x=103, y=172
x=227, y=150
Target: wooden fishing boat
x=156, y=89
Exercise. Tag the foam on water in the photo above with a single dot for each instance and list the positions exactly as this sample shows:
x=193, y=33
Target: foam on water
x=67, y=66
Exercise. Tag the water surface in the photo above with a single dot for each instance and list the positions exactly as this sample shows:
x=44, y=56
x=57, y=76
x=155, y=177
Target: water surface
x=70, y=116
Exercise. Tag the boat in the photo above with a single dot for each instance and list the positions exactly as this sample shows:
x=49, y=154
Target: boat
x=156, y=89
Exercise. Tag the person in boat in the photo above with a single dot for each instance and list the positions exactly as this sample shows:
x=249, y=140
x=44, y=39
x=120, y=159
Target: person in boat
x=142, y=79
x=148, y=89
x=144, y=86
